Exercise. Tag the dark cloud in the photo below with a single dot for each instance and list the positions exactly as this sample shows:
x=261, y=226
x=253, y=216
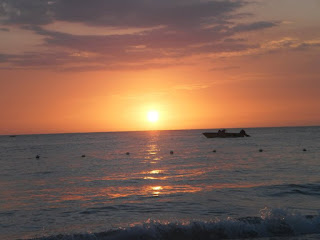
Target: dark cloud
x=5, y=29
x=230, y=40
x=4, y=58
x=148, y=45
x=176, y=29
x=118, y=13
x=307, y=45
x=254, y=26
x=112, y=51
x=85, y=57
x=25, y=12
x=157, y=39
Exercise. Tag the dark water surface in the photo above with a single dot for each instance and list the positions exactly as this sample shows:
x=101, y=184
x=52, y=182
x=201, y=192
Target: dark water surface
x=194, y=193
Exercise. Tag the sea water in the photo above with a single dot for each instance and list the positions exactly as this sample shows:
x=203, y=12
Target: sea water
x=161, y=185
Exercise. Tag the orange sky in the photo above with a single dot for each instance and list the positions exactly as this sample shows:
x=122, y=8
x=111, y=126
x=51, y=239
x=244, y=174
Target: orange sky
x=66, y=67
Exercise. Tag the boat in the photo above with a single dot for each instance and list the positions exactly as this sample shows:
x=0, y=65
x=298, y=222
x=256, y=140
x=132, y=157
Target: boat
x=224, y=134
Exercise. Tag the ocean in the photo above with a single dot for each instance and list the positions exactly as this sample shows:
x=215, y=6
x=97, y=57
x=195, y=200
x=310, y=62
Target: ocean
x=161, y=185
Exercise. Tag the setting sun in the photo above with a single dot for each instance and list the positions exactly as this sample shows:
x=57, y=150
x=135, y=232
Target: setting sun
x=153, y=116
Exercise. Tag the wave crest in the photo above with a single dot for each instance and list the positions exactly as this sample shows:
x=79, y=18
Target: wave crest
x=272, y=223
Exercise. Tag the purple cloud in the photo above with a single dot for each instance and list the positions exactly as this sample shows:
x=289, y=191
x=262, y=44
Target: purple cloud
x=4, y=57
x=187, y=28
x=254, y=26
x=118, y=13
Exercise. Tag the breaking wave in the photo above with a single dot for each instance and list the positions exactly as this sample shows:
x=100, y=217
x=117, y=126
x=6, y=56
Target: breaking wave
x=271, y=223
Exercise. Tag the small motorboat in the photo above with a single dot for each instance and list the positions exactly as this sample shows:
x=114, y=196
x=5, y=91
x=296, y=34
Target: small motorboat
x=224, y=134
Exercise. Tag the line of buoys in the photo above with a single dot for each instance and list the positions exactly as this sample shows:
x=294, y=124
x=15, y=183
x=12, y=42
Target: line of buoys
x=171, y=152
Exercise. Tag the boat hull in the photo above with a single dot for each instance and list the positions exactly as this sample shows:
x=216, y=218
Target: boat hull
x=223, y=135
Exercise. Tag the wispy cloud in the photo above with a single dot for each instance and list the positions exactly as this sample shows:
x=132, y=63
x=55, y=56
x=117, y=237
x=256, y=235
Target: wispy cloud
x=224, y=68
x=191, y=87
x=289, y=43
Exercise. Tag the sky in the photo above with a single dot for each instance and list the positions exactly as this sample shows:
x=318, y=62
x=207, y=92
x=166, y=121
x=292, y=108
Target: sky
x=102, y=65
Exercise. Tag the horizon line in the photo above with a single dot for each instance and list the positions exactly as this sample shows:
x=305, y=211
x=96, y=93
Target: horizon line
x=150, y=130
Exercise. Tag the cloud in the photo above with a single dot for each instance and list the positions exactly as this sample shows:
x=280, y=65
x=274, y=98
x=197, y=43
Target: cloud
x=254, y=26
x=4, y=57
x=191, y=87
x=308, y=45
x=224, y=68
x=25, y=12
x=142, y=13
x=224, y=47
x=112, y=51
x=118, y=13
x=188, y=28
x=289, y=43
x=234, y=40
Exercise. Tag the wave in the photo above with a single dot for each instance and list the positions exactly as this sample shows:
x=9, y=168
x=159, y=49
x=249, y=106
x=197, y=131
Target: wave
x=271, y=223
x=309, y=189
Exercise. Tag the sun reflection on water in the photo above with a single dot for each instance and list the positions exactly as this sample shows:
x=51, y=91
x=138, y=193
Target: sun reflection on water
x=152, y=153
x=155, y=172
x=156, y=190
x=153, y=148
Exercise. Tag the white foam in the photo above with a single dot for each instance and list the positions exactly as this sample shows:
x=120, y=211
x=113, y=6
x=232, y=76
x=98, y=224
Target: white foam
x=272, y=223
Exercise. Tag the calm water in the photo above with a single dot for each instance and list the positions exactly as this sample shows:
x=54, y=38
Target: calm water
x=194, y=193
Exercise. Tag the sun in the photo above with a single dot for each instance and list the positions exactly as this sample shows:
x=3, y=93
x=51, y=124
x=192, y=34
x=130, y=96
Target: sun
x=153, y=116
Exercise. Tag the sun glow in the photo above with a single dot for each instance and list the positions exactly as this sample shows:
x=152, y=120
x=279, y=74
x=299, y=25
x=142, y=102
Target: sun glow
x=153, y=116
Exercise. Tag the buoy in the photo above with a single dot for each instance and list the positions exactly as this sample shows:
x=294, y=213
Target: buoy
x=83, y=155
x=214, y=151
x=171, y=152
x=127, y=153
x=260, y=150
x=304, y=150
x=37, y=157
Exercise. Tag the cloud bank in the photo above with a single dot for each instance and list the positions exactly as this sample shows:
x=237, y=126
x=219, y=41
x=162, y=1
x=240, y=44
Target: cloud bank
x=171, y=30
